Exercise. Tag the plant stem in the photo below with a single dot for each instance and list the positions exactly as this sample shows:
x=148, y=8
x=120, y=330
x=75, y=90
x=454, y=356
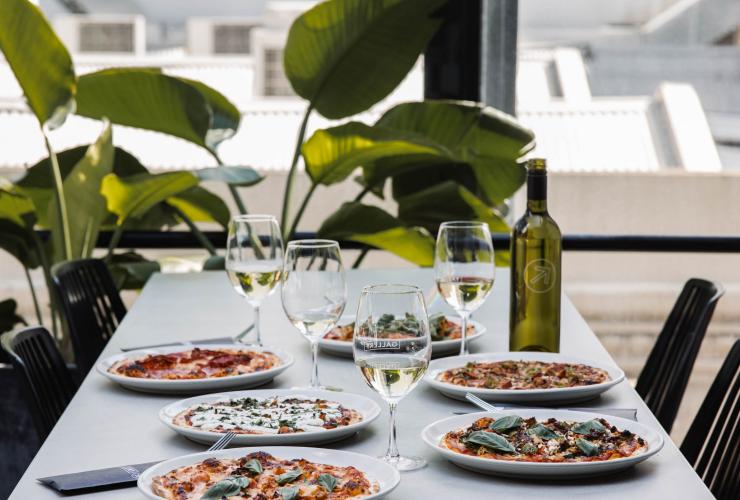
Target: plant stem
x=361, y=194
x=33, y=295
x=61, y=203
x=291, y=173
x=232, y=189
x=194, y=229
x=299, y=214
x=47, y=277
x=114, y=239
x=360, y=257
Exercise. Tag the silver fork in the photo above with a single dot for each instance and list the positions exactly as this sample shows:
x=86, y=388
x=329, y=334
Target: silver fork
x=223, y=442
x=482, y=404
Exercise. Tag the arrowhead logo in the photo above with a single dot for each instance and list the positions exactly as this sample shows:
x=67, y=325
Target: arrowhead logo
x=539, y=275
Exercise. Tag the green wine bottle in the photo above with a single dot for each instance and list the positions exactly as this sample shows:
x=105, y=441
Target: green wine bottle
x=536, y=246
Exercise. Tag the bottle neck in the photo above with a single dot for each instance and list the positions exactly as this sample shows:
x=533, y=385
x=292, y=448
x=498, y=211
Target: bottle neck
x=537, y=192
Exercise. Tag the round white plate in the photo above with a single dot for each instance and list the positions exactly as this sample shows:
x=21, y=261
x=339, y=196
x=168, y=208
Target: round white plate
x=195, y=385
x=368, y=408
x=433, y=433
x=376, y=470
x=524, y=396
x=439, y=347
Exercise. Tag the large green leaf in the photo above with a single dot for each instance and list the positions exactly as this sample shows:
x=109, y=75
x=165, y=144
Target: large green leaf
x=133, y=196
x=344, y=55
x=233, y=176
x=146, y=98
x=331, y=155
x=15, y=205
x=200, y=205
x=86, y=206
x=130, y=270
x=8, y=317
x=375, y=227
x=18, y=241
x=225, y=117
x=39, y=60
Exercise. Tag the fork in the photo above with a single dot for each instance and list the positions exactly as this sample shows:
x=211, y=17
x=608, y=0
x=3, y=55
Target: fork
x=223, y=442
x=482, y=404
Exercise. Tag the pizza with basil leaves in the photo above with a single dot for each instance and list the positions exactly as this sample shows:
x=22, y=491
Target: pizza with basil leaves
x=261, y=476
x=514, y=438
x=440, y=328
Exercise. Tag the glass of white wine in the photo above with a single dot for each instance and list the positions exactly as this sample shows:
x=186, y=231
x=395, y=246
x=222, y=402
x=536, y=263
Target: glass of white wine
x=254, y=260
x=392, y=348
x=314, y=292
x=464, y=268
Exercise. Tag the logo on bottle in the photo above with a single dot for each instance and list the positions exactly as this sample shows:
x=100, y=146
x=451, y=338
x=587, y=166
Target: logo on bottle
x=539, y=275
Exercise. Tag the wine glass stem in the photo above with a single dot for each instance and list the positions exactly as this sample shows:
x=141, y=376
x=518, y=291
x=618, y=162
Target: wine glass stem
x=315, y=369
x=464, y=333
x=257, y=329
x=392, y=453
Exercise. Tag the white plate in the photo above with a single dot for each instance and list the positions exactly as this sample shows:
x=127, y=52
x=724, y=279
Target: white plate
x=433, y=433
x=524, y=396
x=195, y=385
x=376, y=470
x=365, y=406
x=439, y=347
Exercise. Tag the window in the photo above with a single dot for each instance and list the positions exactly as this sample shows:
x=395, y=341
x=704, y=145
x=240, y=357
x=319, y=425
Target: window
x=106, y=37
x=231, y=39
x=276, y=84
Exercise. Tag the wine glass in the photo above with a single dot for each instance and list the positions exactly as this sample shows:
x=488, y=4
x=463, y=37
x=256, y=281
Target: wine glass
x=314, y=291
x=464, y=268
x=392, y=348
x=254, y=260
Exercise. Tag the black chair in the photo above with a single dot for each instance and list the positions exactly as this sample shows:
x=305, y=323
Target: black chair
x=45, y=379
x=711, y=444
x=663, y=380
x=92, y=307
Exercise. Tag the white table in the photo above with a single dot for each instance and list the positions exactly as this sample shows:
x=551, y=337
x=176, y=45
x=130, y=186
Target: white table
x=106, y=425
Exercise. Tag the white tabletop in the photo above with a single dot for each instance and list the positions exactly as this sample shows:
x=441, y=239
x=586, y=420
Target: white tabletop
x=106, y=425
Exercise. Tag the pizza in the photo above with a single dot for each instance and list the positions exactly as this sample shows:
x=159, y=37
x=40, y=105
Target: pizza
x=514, y=438
x=441, y=328
x=196, y=363
x=261, y=476
x=519, y=375
x=274, y=415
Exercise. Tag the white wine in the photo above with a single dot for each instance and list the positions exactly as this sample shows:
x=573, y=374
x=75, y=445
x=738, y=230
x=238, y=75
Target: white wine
x=255, y=282
x=536, y=242
x=392, y=376
x=465, y=293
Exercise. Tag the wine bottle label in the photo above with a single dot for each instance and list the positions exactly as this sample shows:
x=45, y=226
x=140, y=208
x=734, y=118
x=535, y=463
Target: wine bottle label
x=540, y=275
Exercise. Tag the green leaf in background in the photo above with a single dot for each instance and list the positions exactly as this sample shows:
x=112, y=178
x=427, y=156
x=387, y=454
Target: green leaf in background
x=233, y=176
x=133, y=196
x=130, y=270
x=15, y=205
x=373, y=226
x=332, y=154
x=8, y=317
x=18, y=242
x=145, y=98
x=225, y=117
x=214, y=263
x=200, y=205
x=344, y=56
x=39, y=61
x=87, y=210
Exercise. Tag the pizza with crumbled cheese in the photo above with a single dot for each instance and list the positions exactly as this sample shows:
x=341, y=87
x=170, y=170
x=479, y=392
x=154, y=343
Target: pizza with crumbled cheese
x=261, y=476
x=440, y=328
x=514, y=438
x=273, y=415
x=196, y=363
x=518, y=375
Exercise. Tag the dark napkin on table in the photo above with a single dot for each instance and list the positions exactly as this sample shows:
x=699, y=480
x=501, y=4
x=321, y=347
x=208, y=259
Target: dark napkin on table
x=96, y=480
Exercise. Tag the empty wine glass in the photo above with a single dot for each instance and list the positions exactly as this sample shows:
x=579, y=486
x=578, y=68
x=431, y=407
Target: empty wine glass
x=254, y=260
x=392, y=348
x=464, y=268
x=314, y=291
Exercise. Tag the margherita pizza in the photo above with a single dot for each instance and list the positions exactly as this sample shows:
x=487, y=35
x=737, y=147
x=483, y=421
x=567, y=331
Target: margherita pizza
x=275, y=415
x=261, y=476
x=196, y=363
x=527, y=440
x=518, y=375
x=441, y=328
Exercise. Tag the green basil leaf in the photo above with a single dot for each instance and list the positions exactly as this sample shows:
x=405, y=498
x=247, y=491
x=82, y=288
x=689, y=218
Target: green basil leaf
x=328, y=481
x=229, y=487
x=543, y=432
x=254, y=466
x=506, y=423
x=491, y=440
x=529, y=449
x=588, y=427
x=289, y=476
x=289, y=493
x=587, y=447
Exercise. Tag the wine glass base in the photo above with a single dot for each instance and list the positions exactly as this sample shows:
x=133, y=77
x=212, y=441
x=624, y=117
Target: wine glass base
x=405, y=463
x=319, y=388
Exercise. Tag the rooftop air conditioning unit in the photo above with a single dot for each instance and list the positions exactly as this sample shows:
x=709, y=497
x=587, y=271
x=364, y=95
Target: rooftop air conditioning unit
x=213, y=36
x=96, y=34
